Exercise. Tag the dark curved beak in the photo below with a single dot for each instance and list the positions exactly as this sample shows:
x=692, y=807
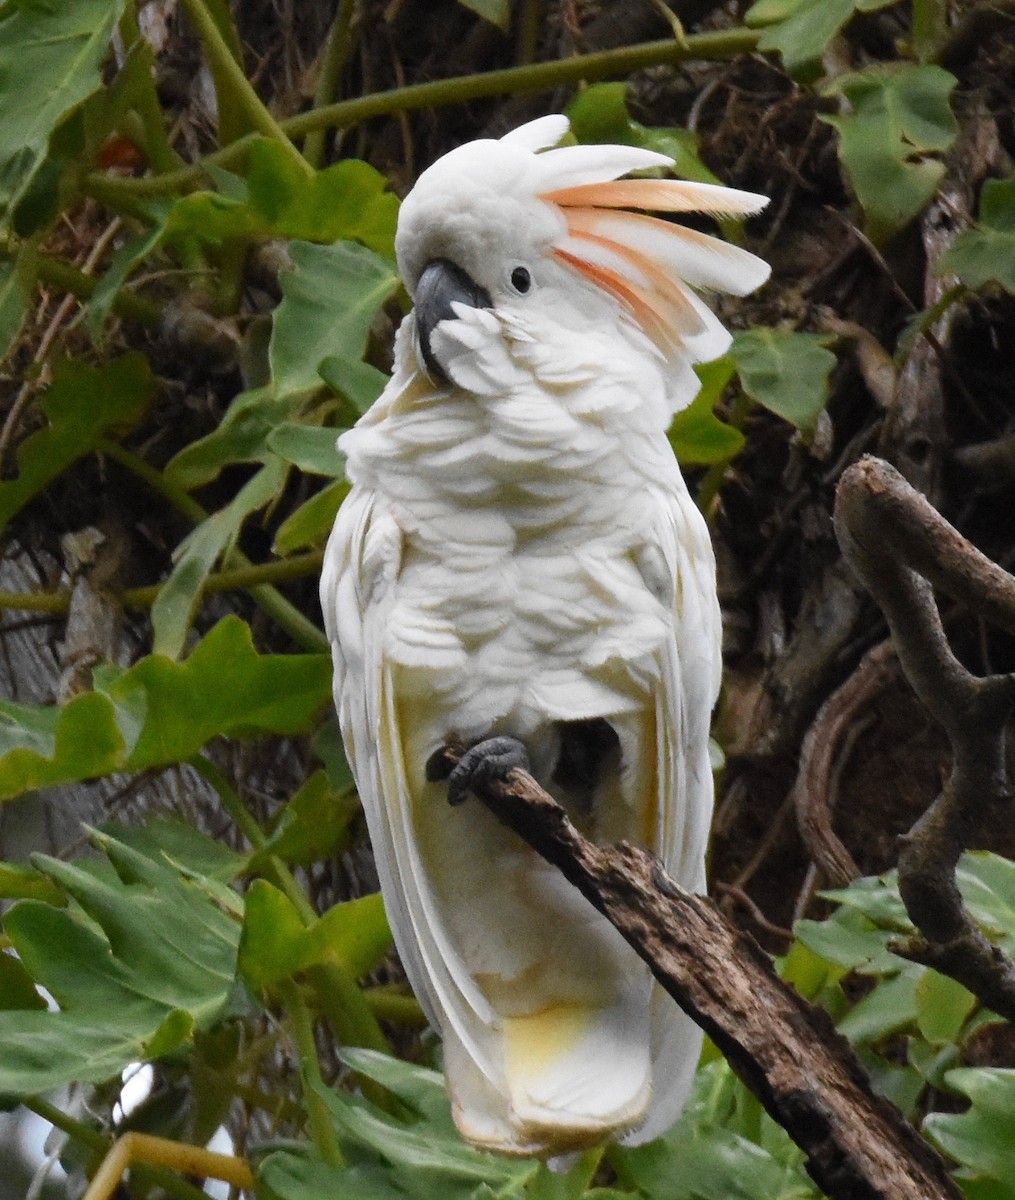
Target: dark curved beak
x=441, y=285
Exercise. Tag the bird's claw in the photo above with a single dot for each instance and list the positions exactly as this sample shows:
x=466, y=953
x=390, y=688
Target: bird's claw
x=487, y=761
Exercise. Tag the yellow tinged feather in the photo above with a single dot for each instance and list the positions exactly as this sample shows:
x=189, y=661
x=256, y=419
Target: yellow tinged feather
x=532, y=1042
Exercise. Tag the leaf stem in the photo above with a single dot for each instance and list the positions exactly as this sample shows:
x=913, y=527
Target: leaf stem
x=336, y=55
x=69, y=279
x=229, y=70
x=321, y=1129
x=529, y=77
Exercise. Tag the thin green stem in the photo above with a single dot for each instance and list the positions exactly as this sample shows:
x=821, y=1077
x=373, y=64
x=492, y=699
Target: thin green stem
x=57, y=603
x=170, y=1181
x=388, y=1004
x=160, y=153
x=322, y=1132
x=231, y=801
x=531, y=77
x=228, y=69
x=285, y=614
x=298, y=566
x=56, y=273
x=336, y=55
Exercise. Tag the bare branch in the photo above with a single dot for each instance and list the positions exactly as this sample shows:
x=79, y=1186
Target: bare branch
x=811, y=792
x=858, y=1145
x=901, y=548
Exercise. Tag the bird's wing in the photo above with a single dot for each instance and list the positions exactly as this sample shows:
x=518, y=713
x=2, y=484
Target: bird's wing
x=690, y=678
x=358, y=590
x=688, y=687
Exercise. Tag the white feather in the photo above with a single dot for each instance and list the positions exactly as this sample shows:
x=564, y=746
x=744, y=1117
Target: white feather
x=538, y=134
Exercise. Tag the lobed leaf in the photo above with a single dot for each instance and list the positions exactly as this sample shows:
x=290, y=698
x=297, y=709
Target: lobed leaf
x=276, y=944
x=160, y=712
x=900, y=120
x=141, y=957
x=329, y=301
x=801, y=30
x=983, y=1137
x=785, y=371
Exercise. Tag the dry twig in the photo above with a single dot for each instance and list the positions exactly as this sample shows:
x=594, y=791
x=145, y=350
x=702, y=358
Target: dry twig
x=902, y=548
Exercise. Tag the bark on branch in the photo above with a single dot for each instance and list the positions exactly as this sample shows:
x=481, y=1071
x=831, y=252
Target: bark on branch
x=858, y=1145
x=902, y=549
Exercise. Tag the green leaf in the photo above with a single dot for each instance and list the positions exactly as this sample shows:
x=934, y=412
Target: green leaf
x=347, y=201
x=241, y=437
x=223, y=689
x=17, y=988
x=942, y=1007
x=50, y=52
x=178, y=598
x=276, y=944
x=181, y=846
x=83, y=405
x=849, y=940
x=144, y=956
x=355, y=381
x=900, y=119
x=697, y=435
x=299, y=1175
x=123, y=261
x=497, y=12
x=986, y=253
x=311, y=523
x=982, y=1138
x=272, y=929
x=329, y=301
x=787, y=372
x=987, y=883
x=313, y=824
x=309, y=447
x=889, y=1007
x=26, y=883
x=160, y=712
x=800, y=30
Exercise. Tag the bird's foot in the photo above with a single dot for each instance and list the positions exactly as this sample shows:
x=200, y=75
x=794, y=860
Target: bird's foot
x=492, y=759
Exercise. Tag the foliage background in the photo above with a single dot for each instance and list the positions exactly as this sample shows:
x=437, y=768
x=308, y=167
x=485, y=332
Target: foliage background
x=180, y=346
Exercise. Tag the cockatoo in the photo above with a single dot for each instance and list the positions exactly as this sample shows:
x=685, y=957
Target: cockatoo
x=519, y=567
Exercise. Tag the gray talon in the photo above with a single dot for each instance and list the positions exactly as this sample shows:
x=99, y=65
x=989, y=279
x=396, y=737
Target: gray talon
x=492, y=759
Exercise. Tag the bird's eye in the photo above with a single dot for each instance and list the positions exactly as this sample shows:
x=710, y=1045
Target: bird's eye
x=521, y=280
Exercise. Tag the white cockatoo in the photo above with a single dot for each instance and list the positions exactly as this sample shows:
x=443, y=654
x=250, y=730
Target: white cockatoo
x=518, y=566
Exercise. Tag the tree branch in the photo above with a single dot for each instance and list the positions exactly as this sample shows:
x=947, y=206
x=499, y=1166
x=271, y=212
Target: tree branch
x=902, y=548
x=858, y=1145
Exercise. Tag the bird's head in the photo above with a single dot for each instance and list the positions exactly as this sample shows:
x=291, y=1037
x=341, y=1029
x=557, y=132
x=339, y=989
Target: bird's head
x=494, y=222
